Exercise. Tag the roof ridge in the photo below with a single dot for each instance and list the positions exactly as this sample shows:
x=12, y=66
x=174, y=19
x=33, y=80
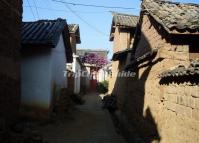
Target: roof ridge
x=175, y=17
x=124, y=14
x=92, y=49
x=45, y=20
x=172, y=2
x=42, y=31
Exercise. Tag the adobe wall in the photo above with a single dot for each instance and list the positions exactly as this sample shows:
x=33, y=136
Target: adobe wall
x=168, y=113
x=112, y=78
x=11, y=14
x=122, y=41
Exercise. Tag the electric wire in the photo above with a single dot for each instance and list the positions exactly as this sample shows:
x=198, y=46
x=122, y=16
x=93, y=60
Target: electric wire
x=36, y=9
x=31, y=10
x=62, y=10
x=92, y=5
x=83, y=20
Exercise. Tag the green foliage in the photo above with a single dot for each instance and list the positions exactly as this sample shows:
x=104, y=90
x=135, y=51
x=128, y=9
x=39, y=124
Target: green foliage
x=102, y=87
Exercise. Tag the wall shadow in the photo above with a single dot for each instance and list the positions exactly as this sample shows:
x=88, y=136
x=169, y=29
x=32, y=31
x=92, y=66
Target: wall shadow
x=130, y=93
x=132, y=106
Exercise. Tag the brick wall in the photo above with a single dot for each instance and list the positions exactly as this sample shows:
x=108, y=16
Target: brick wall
x=122, y=41
x=9, y=56
x=167, y=113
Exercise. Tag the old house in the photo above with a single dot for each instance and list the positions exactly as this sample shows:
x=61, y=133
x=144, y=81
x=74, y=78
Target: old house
x=45, y=51
x=161, y=101
x=122, y=35
x=104, y=73
x=75, y=38
x=101, y=52
x=76, y=84
x=11, y=17
x=92, y=68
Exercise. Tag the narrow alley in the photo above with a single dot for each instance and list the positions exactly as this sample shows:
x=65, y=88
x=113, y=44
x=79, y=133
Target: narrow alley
x=90, y=124
x=58, y=58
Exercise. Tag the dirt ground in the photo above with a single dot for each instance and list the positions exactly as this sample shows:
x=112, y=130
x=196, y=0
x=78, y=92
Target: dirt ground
x=88, y=124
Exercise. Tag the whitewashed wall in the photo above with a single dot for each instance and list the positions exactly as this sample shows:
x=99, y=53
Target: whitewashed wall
x=76, y=69
x=40, y=72
x=102, y=74
x=35, y=79
x=58, y=64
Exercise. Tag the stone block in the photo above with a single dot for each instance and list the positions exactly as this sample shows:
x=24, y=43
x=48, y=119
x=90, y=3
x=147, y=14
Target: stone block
x=194, y=91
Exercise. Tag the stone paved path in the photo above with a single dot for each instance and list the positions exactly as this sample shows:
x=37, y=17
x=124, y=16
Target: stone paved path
x=91, y=124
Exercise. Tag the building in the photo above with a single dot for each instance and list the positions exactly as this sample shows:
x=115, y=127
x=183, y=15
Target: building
x=122, y=35
x=104, y=73
x=161, y=100
x=11, y=17
x=101, y=52
x=45, y=51
x=75, y=38
x=92, y=68
x=77, y=82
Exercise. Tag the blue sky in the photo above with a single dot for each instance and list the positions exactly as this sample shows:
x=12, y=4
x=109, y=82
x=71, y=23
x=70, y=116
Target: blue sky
x=95, y=23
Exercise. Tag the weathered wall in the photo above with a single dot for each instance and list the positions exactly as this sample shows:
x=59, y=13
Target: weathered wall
x=58, y=64
x=167, y=113
x=42, y=74
x=11, y=13
x=179, y=119
x=122, y=41
x=113, y=77
x=35, y=78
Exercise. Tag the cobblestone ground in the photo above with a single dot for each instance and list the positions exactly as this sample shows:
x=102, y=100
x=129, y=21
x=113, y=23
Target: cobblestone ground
x=90, y=124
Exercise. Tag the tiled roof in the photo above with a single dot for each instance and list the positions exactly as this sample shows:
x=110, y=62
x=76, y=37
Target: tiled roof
x=73, y=27
x=146, y=57
x=121, y=54
x=45, y=32
x=174, y=17
x=101, y=52
x=125, y=19
x=181, y=70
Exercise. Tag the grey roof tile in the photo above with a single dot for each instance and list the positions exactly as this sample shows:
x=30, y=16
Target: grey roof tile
x=125, y=19
x=174, y=17
x=73, y=27
x=120, y=54
x=181, y=70
x=45, y=32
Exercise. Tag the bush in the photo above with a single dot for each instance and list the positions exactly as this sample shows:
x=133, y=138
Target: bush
x=77, y=99
x=102, y=87
x=110, y=103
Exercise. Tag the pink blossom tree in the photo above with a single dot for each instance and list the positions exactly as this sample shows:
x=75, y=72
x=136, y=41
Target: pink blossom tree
x=94, y=59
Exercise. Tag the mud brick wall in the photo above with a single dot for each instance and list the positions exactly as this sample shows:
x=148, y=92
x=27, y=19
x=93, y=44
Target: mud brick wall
x=112, y=79
x=10, y=21
x=180, y=117
x=167, y=113
x=122, y=41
